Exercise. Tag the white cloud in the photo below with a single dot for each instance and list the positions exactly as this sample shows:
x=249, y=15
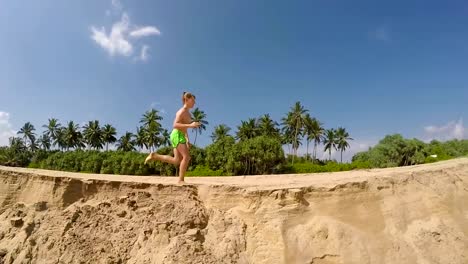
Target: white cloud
x=144, y=53
x=451, y=130
x=144, y=32
x=116, y=4
x=115, y=42
x=154, y=105
x=116, y=8
x=6, y=130
x=121, y=40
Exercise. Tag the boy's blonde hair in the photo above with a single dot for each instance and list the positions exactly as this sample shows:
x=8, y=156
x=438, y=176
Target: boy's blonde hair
x=187, y=95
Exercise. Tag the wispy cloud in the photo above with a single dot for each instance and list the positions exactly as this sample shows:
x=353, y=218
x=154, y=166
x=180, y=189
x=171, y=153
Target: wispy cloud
x=154, y=104
x=451, y=130
x=144, y=53
x=115, y=43
x=144, y=32
x=121, y=40
x=116, y=4
x=116, y=7
x=157, y=106
x=6, y=130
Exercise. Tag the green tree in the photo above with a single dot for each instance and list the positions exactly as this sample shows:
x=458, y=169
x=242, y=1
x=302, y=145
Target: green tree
x=259, y=155
x=93, y=135
x=308, y=130
x=72, y=137
x=268, y=127
x=199, y=116
x=52, y=130
x=220, y=132
x=342, y=137
x=28, y=134
x=248, y=129
x=140, y=138
x=330, y=141
x=44, y=142
x=218, y=152
x=294, y=123
x=165, y=139
x=152, y=128
x=108, y=135
x=126, y=142
x=316, y=134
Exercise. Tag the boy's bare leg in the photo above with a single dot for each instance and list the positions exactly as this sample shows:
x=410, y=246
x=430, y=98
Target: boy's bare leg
x=183, y=150
x=164, y=158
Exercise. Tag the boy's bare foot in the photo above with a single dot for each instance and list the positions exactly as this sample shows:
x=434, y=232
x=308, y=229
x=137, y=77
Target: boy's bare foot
x=150, y=157
x=181, y=182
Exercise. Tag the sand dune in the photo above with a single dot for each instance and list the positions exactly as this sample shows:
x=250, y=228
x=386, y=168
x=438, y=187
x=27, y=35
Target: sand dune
x=412, y=215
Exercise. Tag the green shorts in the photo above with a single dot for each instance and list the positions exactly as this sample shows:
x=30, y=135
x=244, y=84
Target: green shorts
x=177, y=137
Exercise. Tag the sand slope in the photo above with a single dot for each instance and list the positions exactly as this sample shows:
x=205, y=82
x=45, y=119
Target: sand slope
x=401, y=215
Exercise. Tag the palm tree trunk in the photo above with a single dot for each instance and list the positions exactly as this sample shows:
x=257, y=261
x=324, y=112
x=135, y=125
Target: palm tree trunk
x=307, y=152
x=196, y=133
x=341, y=156
x=329, y=154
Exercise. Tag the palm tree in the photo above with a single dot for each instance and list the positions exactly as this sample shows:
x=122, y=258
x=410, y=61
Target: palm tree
x=267, y=127
x=52, y=130
x=92, y=134
x=315, y=133
x=44, y=141
x=60, y=138
x=294, y=123
x=330, y=141
x=108, y=135
x=248, y=129
x=297, y=119
x=126, y=142
x=166, y=141
x=152, y=128
x=152, y=135
x=72, y=137
x=140, y=138
x=308, y=120
x=28, y=134
x=287, y=139
x=342, y=137
x=150, y=117
x=17, y=144
x=199, y=116
x=220, y=132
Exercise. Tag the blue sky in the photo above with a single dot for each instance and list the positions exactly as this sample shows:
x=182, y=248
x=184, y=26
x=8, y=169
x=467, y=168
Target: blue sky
x=373, y=67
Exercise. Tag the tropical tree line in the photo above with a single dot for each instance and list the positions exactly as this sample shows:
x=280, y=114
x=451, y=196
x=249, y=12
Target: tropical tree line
x=256, y=147
x=92, y=136
x=296, y=126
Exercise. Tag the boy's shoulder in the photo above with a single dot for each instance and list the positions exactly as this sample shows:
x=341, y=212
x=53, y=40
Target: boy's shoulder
x=182, y=110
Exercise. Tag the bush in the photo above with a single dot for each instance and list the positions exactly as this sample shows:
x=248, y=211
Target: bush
x=308, y=167
x=204, y=171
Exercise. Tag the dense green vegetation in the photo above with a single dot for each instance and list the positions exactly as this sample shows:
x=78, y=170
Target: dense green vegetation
x=256, y=147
